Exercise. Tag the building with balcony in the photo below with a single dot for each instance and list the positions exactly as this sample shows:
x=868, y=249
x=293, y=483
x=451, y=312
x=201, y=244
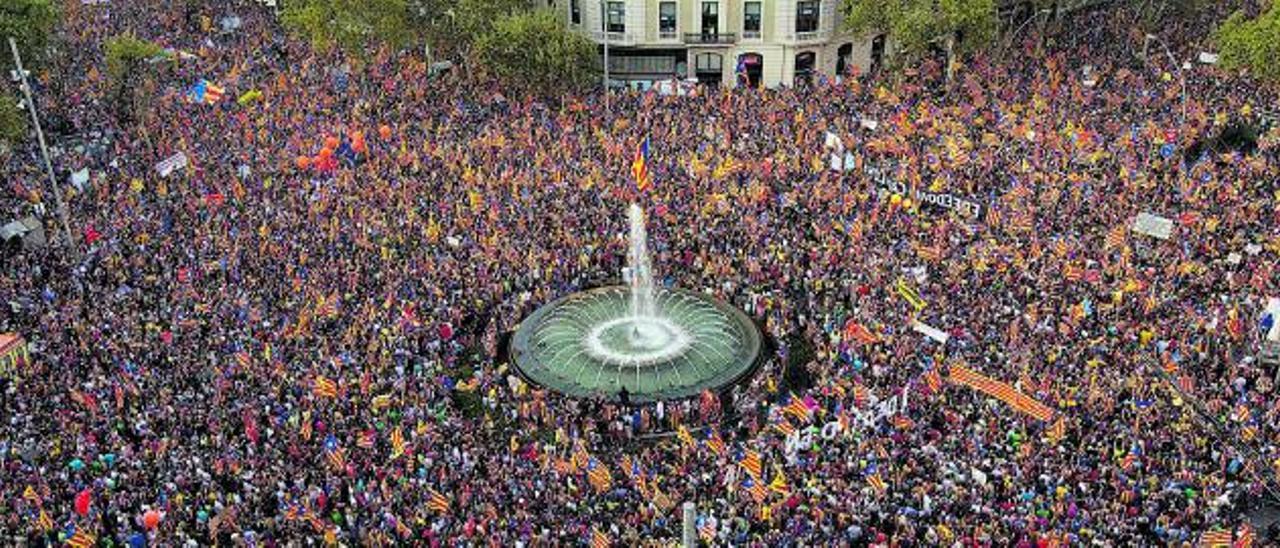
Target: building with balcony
x=722, y=42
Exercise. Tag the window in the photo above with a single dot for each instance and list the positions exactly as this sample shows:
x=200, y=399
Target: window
x=807, y=16
x=575, y=12
x=710, y=18
x=751, y=19
x=667, y=18
x=616, y=18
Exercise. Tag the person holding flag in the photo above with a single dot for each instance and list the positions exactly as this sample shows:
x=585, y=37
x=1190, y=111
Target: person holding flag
x=640, y=167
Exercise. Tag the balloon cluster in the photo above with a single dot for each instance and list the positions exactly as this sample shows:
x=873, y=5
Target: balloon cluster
x=325, y=161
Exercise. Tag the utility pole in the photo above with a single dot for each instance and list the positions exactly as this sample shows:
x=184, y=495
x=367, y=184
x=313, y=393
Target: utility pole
x=604, y=25
x=1172, y=60
x=70, y=241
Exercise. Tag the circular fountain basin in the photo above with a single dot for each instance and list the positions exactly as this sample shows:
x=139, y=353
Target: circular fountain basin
x=589, y=345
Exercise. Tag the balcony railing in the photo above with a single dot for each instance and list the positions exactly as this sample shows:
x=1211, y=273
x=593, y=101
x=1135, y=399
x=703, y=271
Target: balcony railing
x=668, y=35
x=615, y=38
x=710, y=38
x=750, y=35
x=811, y=36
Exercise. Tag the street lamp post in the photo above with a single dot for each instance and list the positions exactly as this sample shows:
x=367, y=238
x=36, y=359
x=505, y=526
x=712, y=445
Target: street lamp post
x=1181, y=74
x=44, y=149
x=604, y=26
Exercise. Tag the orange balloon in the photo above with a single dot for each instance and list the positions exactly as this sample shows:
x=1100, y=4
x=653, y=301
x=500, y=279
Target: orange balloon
x=385, y=131
x=357, y=136
x=151, y=519
x=326, y=152
x=331, y=143
x=303, y=162
x=316, y=162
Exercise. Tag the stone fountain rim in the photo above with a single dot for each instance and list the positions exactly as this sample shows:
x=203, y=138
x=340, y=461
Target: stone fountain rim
x=753, y=339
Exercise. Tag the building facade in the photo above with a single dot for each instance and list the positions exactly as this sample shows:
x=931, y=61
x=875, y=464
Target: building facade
x=728, y=43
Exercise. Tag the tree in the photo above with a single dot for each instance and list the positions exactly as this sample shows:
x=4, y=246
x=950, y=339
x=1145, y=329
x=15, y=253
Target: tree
x=534, y=52
x=31, y=24
x=957, y=26
x=1252, y=44
x=454, y=26
x=355, y=26
x=127, y=56
x=13, y=121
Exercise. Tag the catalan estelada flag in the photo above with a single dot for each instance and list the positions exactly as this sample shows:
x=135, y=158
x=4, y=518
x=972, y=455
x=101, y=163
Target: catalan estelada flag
x=325, y=388
x=640, y=167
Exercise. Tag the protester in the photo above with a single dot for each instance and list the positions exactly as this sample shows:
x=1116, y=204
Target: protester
x=296, y=336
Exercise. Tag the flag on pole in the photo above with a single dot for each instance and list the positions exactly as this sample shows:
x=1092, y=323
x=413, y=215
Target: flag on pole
x=325, y=388
x=750, y=461
x=1057, y=431
x=397, y=443
x=333, y=452
x=43, y=522
x=82, y=539
x=685, y=437
x=437, y=501
x=779, y=483
x=797, y=408
x=599, y=476
x=756, y=489
x=599, y=539
x=715, y=442
x=640, y=167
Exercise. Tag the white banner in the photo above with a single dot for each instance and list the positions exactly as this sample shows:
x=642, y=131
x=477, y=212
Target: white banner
x=168, y=165
x=930, y=331
x=1153, y=225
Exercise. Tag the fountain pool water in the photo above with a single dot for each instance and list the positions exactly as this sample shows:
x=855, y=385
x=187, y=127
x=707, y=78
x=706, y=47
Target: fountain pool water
x=654, y=342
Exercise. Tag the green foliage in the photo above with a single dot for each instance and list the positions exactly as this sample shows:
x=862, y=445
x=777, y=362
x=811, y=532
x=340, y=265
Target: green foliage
x=30, y=23
x=356, y=26
x=127, y=56
x=534, y=52
x=456, y=25
x=13, y=121
x=1252, y=44
x=914, y=24
x=125, y=53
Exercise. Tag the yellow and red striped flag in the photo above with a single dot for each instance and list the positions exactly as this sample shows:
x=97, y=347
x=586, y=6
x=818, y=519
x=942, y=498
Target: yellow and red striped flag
x=397, y=443
x=858, y=332
x=336, y=459
x=1001, y=391
x=685, y=437
x=796, y=407
x=1216, y=539
x=437, y=501
x=599, y=476
x=43, y=523
x=750, y=462
x=640, y=167
x=876, y=483
x=715, y=443
x=82, y=539
x=1057, y=431
x=599, y=539
x=1116, y=237
x=325, y=388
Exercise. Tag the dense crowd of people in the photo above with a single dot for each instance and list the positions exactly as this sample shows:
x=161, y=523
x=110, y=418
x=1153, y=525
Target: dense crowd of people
x=256, y=350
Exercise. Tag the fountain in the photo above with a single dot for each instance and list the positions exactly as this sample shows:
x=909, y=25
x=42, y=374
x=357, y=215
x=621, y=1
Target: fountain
x=651, y=342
